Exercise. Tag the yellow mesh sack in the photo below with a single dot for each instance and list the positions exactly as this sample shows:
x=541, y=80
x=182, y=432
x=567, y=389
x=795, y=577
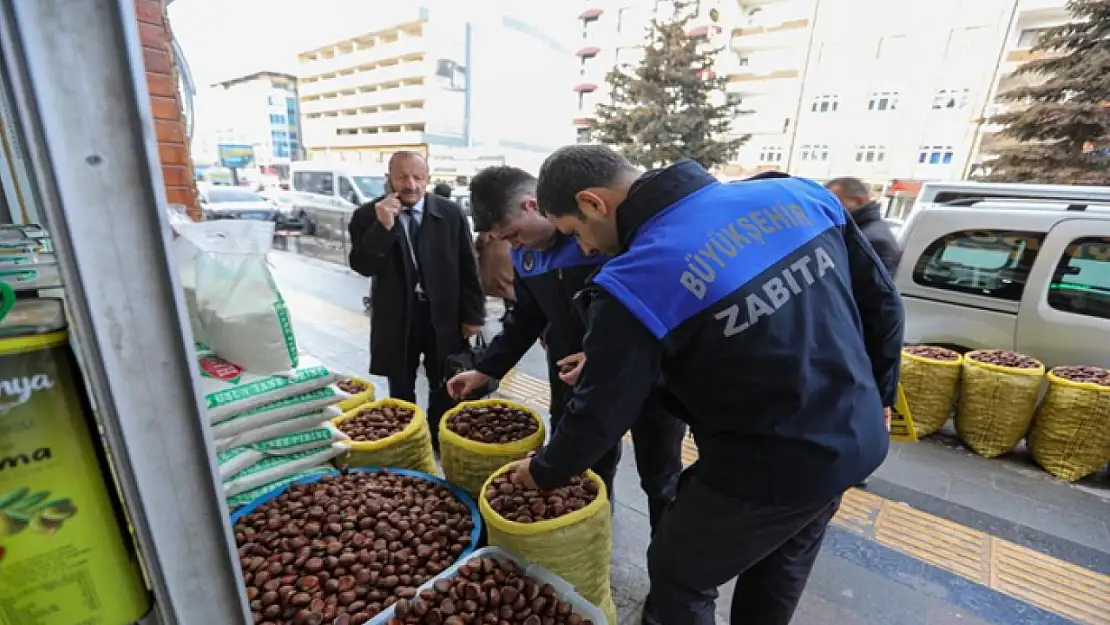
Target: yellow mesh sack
x=357, y=400
x=1070, y=437
x=577, y=546
x=467, y=463
x=996, y=405
x=411, y=448
x=930, y=386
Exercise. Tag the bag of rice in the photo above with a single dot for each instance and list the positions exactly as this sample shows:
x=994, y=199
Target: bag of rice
x=233, y=304
x=1070, y=437
x=237, y=459
x=998, y=395
x=229, y=390
x=246, y=497
x=274, y=468
x=278, y=412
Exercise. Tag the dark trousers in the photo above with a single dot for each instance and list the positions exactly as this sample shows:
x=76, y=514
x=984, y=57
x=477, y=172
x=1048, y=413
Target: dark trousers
x=707, y=538
x=657, y=443
x=422, y=342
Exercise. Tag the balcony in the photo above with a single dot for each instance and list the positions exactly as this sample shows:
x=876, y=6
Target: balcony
x=784, y=34
x=755, y=81
x=415, y=93
x=321, y=138
x=1043, y=8
x=406, y=47
x=382, y=74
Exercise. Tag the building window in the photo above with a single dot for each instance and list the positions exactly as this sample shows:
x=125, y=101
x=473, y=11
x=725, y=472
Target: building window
x=1029, y=37
x=277, y=119
x=814, y=153
x=883, y=101
x=270, y=100
x=770, y=154
x=1081, y=282
x=870, y=153
x=935, y=155
x=583, y=135
x=825, y=104
x=990, y=263
x=951, y=98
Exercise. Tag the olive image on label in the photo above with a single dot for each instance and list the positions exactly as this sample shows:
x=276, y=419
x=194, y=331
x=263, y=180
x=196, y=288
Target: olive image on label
x=66, y=551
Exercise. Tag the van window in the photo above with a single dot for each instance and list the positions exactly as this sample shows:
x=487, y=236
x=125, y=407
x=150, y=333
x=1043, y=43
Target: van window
x=991, y=263
x=314, y=182
x=347, y=191
x=1081, y=282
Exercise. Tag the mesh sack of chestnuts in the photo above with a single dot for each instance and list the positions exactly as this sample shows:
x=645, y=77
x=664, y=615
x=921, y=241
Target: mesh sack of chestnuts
x=495, y=586
x=930, y=379
x=998, y=395
x=387, y=433
x=476, y=438
x=360, y=391
x=1070, y=437
x=566, y=530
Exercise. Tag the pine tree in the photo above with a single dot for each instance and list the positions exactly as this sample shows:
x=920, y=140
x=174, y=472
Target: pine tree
x=1062, y=123
x=672, y=106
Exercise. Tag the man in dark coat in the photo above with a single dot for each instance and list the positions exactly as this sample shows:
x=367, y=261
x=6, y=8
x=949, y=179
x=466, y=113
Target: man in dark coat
x=427, y=300
x=856, y=198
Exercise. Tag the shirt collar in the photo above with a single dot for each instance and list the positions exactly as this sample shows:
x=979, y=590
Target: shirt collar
x=418, y=208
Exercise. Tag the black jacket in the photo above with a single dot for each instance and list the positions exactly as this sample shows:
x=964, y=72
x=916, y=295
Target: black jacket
x=546, y=283
x=870, y=221
x=771, y=321
x=446, y=253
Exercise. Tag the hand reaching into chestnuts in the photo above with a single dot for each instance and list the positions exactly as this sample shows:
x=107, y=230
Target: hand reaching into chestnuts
x=521, y=472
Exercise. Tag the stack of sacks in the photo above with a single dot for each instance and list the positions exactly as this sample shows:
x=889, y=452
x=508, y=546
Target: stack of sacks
x=269, y=428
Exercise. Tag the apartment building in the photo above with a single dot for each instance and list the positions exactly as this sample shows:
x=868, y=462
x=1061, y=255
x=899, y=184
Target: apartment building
x=259, y=110
x=611, y=33
x=465, y=88
x=891, y=91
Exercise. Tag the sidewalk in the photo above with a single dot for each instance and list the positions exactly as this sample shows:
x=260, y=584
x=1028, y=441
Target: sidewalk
x=941, y=536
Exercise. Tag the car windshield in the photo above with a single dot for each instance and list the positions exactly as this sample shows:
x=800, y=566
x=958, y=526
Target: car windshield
x=370, y=186
x=231, y=194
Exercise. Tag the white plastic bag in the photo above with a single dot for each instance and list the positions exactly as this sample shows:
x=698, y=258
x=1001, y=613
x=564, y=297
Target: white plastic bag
x=234, y=306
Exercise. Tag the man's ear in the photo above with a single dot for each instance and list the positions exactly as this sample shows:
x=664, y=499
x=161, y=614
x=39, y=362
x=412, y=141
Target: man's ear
x=591, y=203
x=530, y=205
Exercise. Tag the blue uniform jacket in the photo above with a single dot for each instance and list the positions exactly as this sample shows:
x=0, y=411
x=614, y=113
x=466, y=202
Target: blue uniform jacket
x=775, y=328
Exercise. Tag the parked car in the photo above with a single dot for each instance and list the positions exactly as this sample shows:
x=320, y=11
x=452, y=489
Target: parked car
x=220, y=202
x=1022, y=267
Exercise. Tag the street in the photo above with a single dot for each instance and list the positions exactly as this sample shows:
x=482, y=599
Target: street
x=940, y=535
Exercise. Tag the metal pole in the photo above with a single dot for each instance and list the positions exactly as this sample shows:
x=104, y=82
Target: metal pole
x=992, y=91
x=81, y=96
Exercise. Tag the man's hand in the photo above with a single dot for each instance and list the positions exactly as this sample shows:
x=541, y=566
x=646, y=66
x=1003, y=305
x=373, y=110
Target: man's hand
x=571, y=367
x=387, y=209
x=469, y=330
x=463, y=384
x=521, y=473
x=886, y=417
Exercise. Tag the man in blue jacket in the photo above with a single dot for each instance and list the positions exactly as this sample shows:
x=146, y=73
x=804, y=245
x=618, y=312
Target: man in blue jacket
x=773, y=324
x=550, y=270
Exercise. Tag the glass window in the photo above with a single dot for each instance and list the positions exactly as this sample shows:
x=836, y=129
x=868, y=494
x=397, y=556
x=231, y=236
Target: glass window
x=314, y=182
x=991, y=263
x=346, y=191
x=371, y=186
x=226, y=195
x=1081, y=282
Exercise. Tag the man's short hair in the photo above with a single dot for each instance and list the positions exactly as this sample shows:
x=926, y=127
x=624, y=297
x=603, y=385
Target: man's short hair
x=396, y=156
x=853, y=187
x=494, y=194
x=442, y=190
x=571, y=169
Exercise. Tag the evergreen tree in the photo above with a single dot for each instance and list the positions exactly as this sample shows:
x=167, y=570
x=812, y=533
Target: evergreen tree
x=1062, y=123
x=673, y=105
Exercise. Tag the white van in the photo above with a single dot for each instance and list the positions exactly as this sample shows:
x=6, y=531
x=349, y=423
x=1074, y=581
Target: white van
x=1012, y=266
x=356, y=183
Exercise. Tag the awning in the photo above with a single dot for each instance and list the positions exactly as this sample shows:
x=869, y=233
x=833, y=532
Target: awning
x=589, y=14
x=585, y=87
x=703, y=31
x=588, y=51
x=582, y=122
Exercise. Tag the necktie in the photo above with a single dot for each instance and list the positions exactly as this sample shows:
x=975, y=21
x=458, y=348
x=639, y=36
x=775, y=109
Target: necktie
x=412, y=229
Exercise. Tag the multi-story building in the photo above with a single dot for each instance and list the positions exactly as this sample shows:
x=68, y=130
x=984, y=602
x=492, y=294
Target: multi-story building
x=466, y=88
x=259, y=110
x=611, y=33
x=890, y=91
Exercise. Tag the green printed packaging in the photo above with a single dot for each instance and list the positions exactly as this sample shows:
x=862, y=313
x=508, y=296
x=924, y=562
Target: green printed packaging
x=273, y=468
x=277, y=412
x=246, y=497
x=229, y=390
x=237, y=459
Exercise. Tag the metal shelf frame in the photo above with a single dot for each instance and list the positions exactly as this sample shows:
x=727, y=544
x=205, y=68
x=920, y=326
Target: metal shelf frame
x=80, y=93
